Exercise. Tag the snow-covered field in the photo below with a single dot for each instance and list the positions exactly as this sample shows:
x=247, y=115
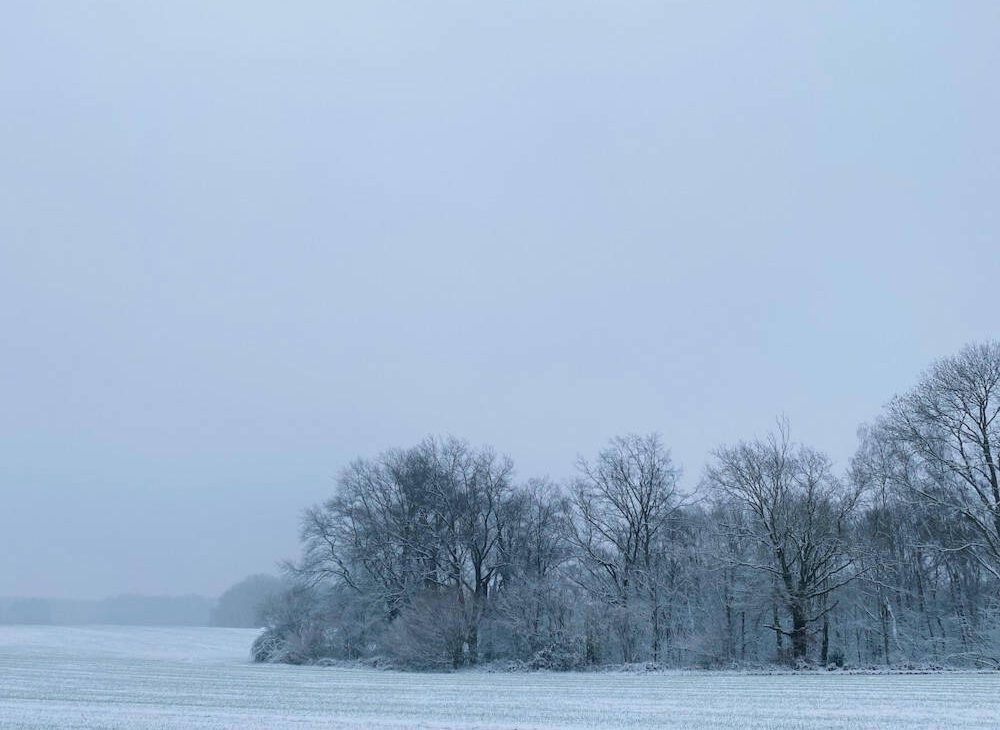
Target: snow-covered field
x=110, y=677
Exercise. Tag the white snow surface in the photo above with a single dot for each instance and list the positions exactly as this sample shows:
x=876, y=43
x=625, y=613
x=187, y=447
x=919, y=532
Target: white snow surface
x=138, y=677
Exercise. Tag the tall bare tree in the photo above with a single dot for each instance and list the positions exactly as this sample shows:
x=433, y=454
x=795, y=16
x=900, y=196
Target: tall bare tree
x=949, y=426
x=798, y=515
x=623, y=504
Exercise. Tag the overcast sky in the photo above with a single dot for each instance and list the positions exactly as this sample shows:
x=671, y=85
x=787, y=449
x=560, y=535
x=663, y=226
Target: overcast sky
x=246, y=242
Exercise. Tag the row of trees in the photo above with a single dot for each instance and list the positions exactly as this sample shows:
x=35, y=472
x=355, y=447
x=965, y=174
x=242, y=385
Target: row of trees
x=436, y=557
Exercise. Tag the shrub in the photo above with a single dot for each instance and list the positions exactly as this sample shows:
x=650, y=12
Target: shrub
x=558, y=658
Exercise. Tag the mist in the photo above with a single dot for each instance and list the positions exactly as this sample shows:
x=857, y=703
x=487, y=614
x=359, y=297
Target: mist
x=240, y=248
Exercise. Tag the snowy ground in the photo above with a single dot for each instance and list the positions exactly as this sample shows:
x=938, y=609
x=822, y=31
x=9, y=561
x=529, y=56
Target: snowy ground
x=111, y=677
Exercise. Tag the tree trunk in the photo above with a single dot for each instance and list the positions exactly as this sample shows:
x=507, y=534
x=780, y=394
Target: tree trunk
x=800, y=642
x=656, y=632
x=825, y=648
x=777, y=627
x=730, y=633
x=883, y=611
x=743, y=634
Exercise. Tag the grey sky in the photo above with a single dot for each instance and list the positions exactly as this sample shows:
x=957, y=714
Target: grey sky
x=243, y=243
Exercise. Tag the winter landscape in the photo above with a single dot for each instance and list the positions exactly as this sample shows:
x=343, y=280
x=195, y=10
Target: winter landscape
x=137, y=677
x=529, y=366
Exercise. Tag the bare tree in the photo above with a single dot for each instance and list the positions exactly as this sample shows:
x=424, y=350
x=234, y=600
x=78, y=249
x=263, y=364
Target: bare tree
x=948, y=425
x=623, y=504
x=798, y=516
x=377, y=535
x=416, y=528
x=473, y=501
x=536, y=606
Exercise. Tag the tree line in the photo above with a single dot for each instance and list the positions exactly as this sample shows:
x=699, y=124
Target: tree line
x=436, y=556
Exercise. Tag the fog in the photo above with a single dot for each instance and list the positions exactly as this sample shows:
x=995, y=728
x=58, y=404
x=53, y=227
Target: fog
x=243, y=244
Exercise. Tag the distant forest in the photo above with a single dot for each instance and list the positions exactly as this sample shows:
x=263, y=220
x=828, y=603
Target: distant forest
x=436, y=556
x=239, y=606
x=121, y=610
